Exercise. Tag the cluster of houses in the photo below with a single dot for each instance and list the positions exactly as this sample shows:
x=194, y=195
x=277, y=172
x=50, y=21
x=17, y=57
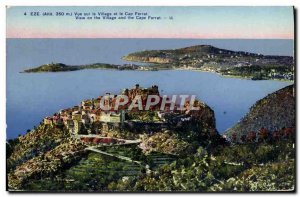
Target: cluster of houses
x=281, y=75
x=88, y=119
x=75, y=118
x=89, y=111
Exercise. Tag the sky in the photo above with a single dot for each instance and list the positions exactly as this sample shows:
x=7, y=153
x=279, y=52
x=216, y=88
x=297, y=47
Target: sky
x=175, y=22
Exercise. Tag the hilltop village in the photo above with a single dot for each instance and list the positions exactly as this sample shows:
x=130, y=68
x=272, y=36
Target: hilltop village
x=88, y=119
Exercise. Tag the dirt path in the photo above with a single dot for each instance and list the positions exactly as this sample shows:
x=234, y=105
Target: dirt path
x=113, y=155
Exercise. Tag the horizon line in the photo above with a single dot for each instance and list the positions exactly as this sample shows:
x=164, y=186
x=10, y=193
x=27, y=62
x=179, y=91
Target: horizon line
x=149, y=38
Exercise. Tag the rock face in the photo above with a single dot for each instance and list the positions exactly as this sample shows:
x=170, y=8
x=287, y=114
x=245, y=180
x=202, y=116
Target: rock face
x=274, y=112
x=165, y=142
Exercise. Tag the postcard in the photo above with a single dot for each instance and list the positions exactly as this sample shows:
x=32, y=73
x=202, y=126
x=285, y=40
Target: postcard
x=150, y=99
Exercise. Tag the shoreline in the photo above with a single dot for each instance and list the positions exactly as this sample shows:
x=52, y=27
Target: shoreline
x=166, y=69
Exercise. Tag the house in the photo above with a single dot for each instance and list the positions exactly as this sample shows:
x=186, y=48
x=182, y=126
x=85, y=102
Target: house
x=70, y=124
x=62, y=112
x=104, y=127
x=77, y=127
x=76, y=115
x=112, y=116
x=97, y=102
x=66, y=117
x=48, y=121
x=86, y=102
x=98, y=115
x=57, y=120
x=86, y=105
x=115, y=117
x=161, y=115
x=75, y=108
x=85, y=112
x=85, y=119
x=93, y=115
x=105, y=116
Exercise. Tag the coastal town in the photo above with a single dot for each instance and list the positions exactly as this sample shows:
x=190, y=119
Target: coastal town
x=208, y=58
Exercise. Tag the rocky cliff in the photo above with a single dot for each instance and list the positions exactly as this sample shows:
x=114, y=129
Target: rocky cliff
x=160, y=60
x=274, y=112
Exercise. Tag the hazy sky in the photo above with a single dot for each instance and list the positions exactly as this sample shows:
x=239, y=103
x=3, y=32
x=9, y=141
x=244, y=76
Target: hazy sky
x=188, y=22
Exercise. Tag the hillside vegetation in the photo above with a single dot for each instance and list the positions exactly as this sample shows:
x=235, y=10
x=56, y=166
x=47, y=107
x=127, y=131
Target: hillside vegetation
x=60, y=67
x=273, y=113
x=226, y=62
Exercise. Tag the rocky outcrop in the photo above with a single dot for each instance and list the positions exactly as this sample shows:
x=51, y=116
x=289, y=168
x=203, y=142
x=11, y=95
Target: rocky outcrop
x=205, y=116
x=274, y=112
x=165, y=142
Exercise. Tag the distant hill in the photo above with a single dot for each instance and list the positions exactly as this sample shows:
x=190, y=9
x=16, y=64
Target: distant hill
x=195, y=50
x=60, y=67
x=53, y=67
x=274, y=112
x=200, y=57
x=226, y=62
x=205, y=52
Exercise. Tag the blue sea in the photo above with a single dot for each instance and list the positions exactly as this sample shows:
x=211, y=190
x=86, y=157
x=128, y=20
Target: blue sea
x=32, y=96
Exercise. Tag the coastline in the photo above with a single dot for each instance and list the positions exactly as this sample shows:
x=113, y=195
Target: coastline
x=162, y=69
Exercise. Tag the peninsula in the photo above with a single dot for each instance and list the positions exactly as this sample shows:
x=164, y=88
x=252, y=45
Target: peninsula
x=225, y=62
x=60, y=67
x=201, y=58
